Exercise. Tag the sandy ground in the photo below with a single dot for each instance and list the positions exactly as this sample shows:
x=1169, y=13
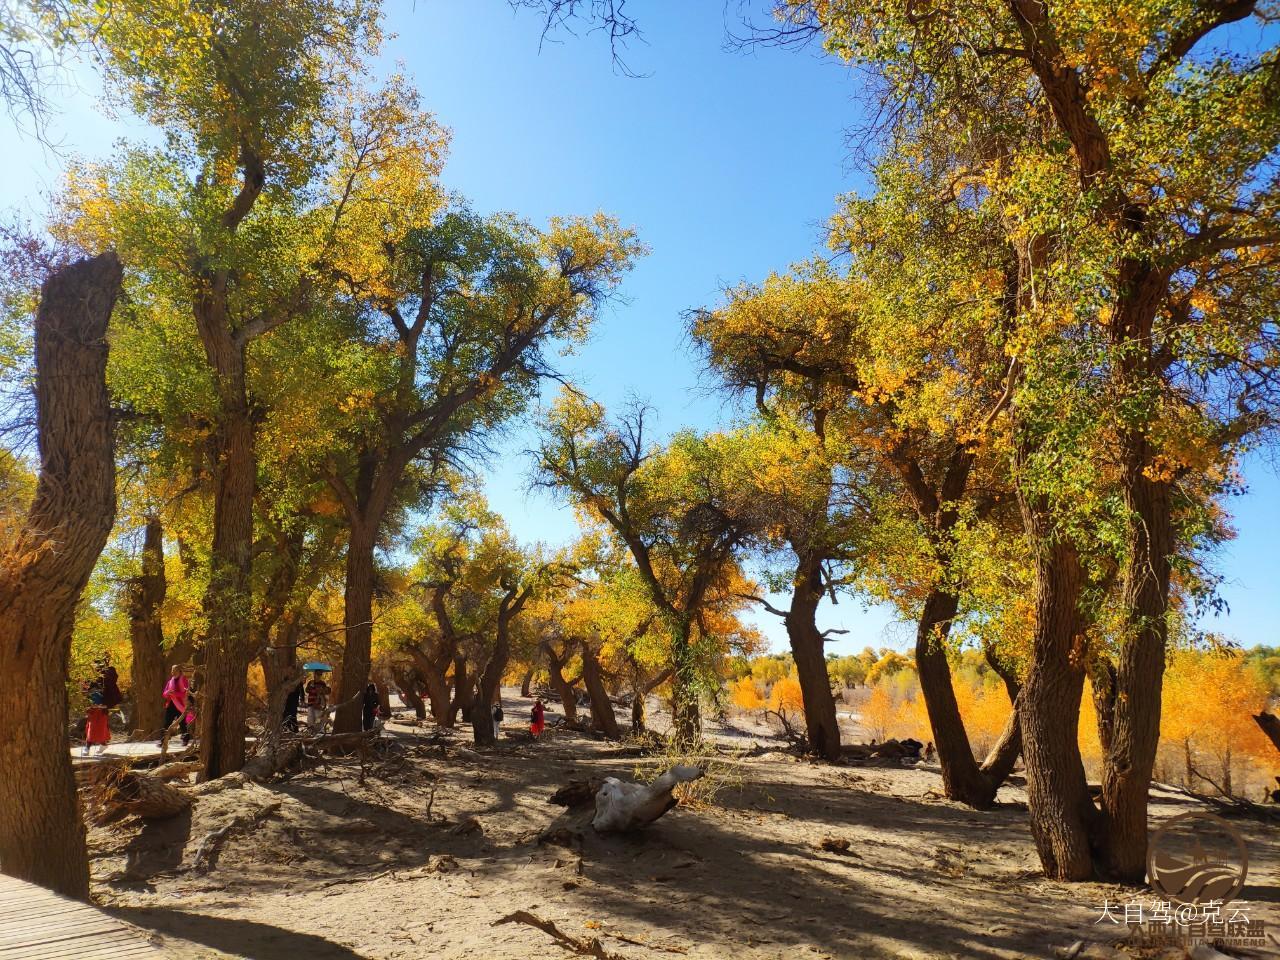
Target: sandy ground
x=431, y=848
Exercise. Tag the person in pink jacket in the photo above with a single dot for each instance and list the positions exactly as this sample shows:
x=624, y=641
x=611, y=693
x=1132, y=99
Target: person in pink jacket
x=175, y=701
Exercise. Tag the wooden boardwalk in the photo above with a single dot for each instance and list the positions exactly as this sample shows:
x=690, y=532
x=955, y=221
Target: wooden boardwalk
x=38, y=925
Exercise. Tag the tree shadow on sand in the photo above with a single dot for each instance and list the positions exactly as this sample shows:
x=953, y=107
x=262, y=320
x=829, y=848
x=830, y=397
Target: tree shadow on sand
x=240, y=938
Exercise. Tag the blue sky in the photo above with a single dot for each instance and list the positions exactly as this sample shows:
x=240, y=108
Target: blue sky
x=727, y=162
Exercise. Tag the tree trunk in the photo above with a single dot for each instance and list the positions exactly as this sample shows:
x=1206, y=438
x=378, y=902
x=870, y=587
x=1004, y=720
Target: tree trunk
x=358, y=615
x=808, y=651
x=685, y=713
x=437, y=683
x=1061, y=811
x=1000, y=761
x=526, y=683
x=602, y=714
x=407, y=683
x=146, y=592
x=1130, y=757
x=463, y=690
x=228, y=600
x=275, y=629
x=45, y=571
x=562, y=687
x=489, y=682
x=962, y=778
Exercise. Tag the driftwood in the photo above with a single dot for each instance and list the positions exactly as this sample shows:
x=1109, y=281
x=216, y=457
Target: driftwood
x=291, y=749
x=120, y=792
x=578, y=793
x=891, y=752
x=624, y=806
x=175, y=771
x=587, y=947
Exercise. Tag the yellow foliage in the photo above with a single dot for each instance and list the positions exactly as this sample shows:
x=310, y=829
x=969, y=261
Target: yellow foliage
x=880, y=713
x=785, y=697
x=745, y=694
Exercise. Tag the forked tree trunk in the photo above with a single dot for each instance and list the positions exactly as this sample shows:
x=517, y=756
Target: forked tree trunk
x=464, y=693
x=809, y=653
x=489, y=682
x=1062, y=813
x=146, y=592
x=44, y=572
x=602, y=715
x=563, y=688
x=407, y=683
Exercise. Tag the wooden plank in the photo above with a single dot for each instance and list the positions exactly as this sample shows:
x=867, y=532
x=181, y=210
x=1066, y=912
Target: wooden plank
x=37, y=924
x=98, y=949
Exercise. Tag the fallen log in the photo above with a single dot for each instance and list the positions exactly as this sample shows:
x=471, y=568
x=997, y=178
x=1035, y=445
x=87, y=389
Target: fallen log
x=175, y=771
x=119, y=792
x=290, y=750
x=624, y=806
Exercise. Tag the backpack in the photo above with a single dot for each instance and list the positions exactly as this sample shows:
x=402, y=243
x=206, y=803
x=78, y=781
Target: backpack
x=497, y=714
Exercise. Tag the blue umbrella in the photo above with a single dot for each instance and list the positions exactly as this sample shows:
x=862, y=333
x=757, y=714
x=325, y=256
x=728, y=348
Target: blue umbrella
x=316, y=665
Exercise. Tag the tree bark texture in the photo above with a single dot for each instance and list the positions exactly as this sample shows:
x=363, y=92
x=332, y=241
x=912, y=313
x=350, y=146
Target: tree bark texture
x=808, y=651
x=44, y=572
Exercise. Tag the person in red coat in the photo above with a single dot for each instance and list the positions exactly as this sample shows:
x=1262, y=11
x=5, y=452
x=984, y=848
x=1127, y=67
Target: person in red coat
x=539, y=717
x=96, y=731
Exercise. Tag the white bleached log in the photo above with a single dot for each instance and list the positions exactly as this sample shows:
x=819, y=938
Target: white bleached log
x=628, y=806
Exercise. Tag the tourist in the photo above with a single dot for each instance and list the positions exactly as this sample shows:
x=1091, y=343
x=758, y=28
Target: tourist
x=497, y=720
x=110, y=679
x=317, y=693
x=96, y=730
x=538, y=717
x=189, y=717
x=291, y=704
x=175, y=702
x=370, y=711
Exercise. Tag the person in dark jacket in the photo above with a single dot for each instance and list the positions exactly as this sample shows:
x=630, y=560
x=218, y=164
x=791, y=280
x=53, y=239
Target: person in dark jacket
x=370, y=711
x=110, y=681
x=291, y=704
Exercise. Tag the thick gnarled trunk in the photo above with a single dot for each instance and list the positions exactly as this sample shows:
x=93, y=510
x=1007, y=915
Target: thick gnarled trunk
x=45, y=571
x=808, y=651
